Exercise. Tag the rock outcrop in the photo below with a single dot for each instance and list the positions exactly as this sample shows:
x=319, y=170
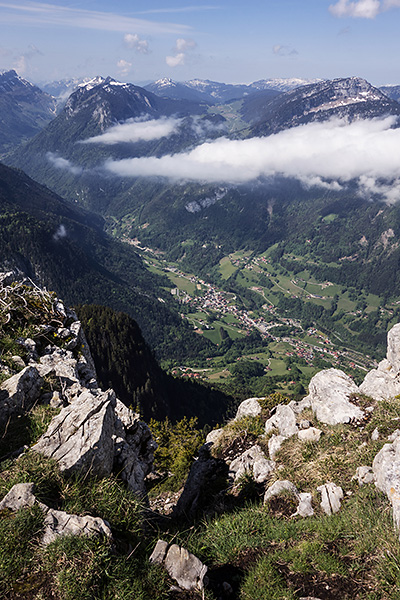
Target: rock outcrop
x=331, y=497
x=330, y=394
x=386, y=469
x=56, y=522
x=18, y=394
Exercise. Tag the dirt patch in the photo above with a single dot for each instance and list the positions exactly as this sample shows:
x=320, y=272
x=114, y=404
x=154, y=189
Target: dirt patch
x=320, y=585
x=282, y=506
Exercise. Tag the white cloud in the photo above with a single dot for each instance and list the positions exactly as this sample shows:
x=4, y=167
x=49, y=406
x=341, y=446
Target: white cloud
x=64, y=164
x=364, y=9
x=182, y=46
x=175, y=61
x=326, y=154
x=135, y=130
x=133, y=41
x=60, y=233
x=284, y=50
x=124, y=66
x=38, y=13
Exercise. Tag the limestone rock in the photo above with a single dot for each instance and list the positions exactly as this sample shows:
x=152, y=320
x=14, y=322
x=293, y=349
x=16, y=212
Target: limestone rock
x=312, y=434
x=393, y=348
x=305, y=508
x=20, y=496
x=331, y=496
x=215, y=436
x=329, y=393
x=134, y=448
x=80, y=437
x=185, y=568
x=284, y=420
x=19, y=393
x=56, y=522
x=248, y=408
x=59, y=523
x=280, y=487
x=386, y=468
x=254, y=462
x=381, y=383
x=364, y=475
x=274, y=444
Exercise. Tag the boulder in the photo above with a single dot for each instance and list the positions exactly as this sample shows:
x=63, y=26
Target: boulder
x=305, y=508
x=312, y=434
x=56, y=522
x=284, y=420
x=215, y=436
x=280, y=487
x=386, y=469
x=185, y=568
x=329, y=395
x=364, y=475
x=248, y=408
x=381, y=383
x=19, y=393
x=81, y=436
x=331, y=496
x=253, y=462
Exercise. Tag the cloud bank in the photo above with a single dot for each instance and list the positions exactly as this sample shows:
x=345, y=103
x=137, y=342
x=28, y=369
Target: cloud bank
x=364, y=9
x=328, y=154
x=135, y=130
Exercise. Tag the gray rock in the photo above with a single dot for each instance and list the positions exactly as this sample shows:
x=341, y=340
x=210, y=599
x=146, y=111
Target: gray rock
x=274, y=444
x=280, y=487
x=18, y=362
x=284, y=420
x=304, y=424
x=159, y=552
x=301, y=405
x=20, y=496
x=185, y=568
x=215, y=436
x=381, y=383
x=364, y=475
x=19, y=393
x=80, y=437
x=253, y=462
x=329, y=393
x=56, y=522
x=248, y=408
x=331, y=496
x=386, y=468
x=375, y=435
x=305, y=508
x=393, y=348
x=312, y=434
x=134, y=448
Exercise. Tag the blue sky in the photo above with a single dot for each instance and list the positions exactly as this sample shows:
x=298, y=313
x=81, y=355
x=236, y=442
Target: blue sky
x=235, y=41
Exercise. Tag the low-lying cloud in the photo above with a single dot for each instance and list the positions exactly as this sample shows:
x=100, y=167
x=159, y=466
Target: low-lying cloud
x=328, y=154
x=62, y=163
x=135, y=130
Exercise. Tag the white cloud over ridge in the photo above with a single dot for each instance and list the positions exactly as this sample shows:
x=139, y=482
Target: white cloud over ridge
x=135, y=130
x=62, y=163
x=328, y=154
x=182, y=46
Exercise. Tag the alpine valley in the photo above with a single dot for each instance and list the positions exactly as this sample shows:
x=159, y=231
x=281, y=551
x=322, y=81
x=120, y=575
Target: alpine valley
x=179, y=263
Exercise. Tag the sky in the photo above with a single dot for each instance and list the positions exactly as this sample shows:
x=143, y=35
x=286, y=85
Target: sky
x=231, y=41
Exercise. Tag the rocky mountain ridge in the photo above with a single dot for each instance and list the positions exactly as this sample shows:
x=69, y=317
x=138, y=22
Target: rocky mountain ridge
x=91, y=433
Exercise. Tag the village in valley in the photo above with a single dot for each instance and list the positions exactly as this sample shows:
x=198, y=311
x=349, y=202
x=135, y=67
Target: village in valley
x=218, y=314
